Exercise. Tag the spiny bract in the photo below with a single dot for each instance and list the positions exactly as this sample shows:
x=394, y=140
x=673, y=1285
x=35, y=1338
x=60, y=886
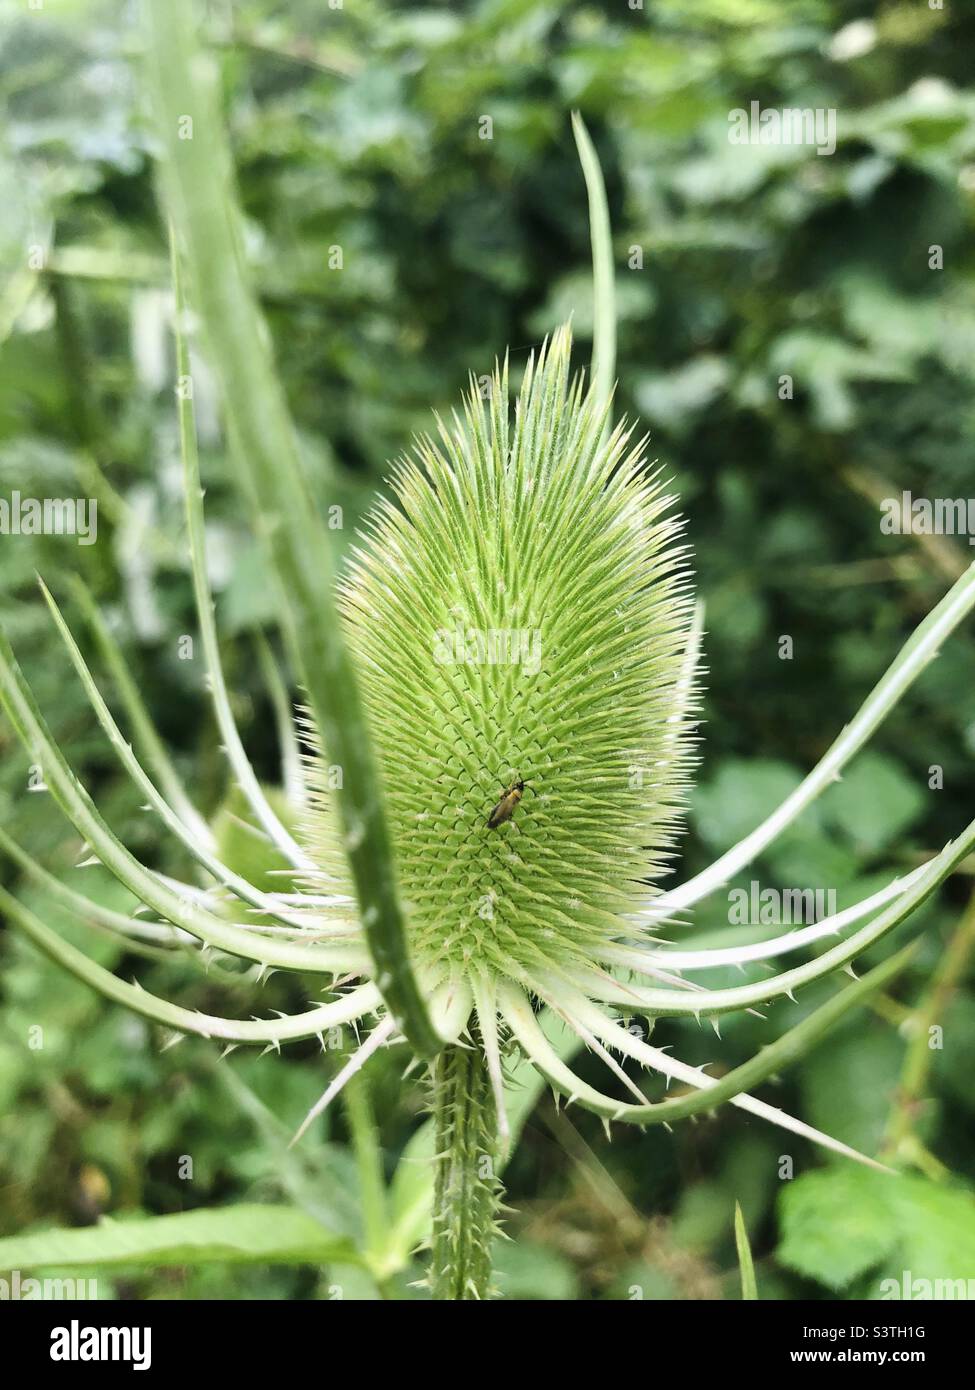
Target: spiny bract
x=520, y=611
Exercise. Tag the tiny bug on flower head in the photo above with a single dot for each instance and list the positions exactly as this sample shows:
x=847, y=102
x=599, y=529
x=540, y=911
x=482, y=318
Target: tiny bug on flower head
x=506, y=806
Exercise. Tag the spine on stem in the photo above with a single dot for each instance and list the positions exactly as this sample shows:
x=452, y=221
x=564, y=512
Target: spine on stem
x=467, y=1192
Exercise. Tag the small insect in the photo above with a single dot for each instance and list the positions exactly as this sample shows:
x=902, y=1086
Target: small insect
x=506, y=806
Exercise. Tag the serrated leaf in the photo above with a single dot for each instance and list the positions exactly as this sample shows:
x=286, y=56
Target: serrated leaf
x=841, y=1223
x=267, y=1234
x=834, y=1226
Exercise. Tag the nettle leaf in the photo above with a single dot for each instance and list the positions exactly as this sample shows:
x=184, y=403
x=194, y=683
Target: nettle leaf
x=835, y=1227
x=938, y=1225
x=268, y=1234
x=842, y=1223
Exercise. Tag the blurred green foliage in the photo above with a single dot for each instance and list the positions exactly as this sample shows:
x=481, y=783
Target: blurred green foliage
x=359, y=129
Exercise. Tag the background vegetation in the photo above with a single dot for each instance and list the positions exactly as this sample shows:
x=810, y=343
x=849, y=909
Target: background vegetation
x=358, y=128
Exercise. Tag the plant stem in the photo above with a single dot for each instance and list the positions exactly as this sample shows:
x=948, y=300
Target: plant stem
x=275, y=483
x=901, y=1141
x=467, y=1192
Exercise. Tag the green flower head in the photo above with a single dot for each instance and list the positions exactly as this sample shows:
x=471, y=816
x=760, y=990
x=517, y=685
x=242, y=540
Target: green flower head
x=519, y=614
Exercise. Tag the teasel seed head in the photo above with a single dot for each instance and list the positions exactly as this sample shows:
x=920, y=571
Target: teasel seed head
x=518, y=611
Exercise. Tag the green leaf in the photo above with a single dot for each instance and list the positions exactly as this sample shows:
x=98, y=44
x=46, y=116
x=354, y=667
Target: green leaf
x=841, y=1223
x=937, y=1227
x=527, y=1270
x=741, y=794
x=411, y=1196
x=835, y=1227
x=243, y=848
x=315, y=1178
x=674, y=400
x=268, y=1234
x=875, y=802
x=848, y=1085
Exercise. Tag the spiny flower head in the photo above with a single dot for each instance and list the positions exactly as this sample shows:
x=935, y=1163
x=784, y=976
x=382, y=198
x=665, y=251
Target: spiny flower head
x=519, y=613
